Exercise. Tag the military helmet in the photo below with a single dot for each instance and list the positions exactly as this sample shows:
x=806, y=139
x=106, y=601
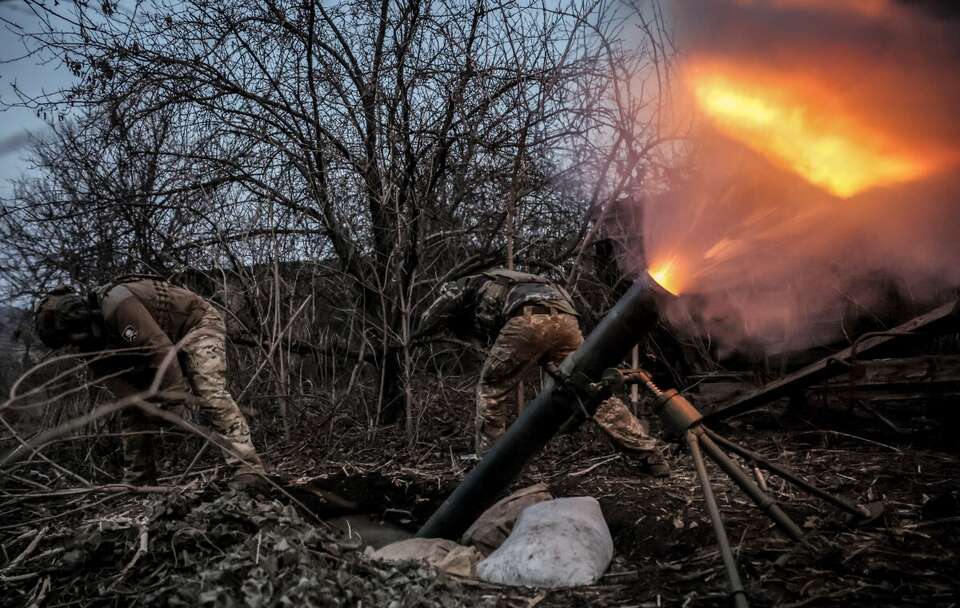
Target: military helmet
x=59, y=313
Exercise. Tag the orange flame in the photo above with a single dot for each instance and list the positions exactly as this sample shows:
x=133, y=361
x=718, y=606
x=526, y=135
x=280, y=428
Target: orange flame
x=801, y=127
x=668, y=275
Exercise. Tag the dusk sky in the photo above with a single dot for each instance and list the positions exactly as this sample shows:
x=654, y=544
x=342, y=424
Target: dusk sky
x=33, y=75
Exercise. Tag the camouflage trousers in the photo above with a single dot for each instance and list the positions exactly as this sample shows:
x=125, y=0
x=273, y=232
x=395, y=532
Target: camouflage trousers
x=203, y=360
x=534, y=339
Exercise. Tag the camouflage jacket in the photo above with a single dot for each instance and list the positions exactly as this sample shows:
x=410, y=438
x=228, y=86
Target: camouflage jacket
x=148, y=316
x=477, y=306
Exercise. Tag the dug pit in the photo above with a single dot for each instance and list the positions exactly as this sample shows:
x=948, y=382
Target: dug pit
x=371, y=509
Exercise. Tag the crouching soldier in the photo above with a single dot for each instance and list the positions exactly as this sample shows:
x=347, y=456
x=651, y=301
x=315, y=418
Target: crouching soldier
x=131, y=325
x=529, y=321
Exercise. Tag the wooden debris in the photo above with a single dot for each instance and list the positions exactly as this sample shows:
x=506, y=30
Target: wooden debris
x=938, y=320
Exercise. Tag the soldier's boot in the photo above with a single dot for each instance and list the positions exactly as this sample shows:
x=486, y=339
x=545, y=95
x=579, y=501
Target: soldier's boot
x=652, y=464
x=139, y=460
x=626, y=432
x=487, y=434
x=139, y=454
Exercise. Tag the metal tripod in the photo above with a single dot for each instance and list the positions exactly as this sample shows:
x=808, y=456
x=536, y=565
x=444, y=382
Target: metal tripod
x=682, y=420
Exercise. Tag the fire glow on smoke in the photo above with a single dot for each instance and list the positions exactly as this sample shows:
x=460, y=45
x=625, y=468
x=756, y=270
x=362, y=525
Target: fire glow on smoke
x=799, y=127
x=822, y=173
x=667, y=274
x=797, y=124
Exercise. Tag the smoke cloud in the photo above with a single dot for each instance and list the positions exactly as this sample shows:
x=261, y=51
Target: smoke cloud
x=767, y=255
x=13, y=143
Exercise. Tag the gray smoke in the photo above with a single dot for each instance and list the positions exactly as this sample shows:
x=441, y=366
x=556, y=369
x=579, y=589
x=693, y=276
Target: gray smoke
x=13, y=143
x=773, y=261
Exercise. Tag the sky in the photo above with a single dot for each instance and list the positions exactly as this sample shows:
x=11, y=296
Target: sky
x=34, y=76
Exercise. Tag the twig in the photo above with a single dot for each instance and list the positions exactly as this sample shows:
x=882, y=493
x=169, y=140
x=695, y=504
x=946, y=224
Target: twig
x=31, y=446
x=26, y=552
x=65, y=513
x=115, y=487
x=18, y=577
x=34, y=448
x=141, y=551
x=203, y=448
x=592, y=467
x=858, y=438
x=28, y=482
x=40, y=593
x=932, y=522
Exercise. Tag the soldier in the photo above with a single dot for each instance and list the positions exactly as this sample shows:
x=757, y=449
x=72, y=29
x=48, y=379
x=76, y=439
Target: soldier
x=529, y=321
x=133, y=323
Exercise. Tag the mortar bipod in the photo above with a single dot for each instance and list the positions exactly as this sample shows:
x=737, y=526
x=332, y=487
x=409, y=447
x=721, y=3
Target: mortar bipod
x=682, y=421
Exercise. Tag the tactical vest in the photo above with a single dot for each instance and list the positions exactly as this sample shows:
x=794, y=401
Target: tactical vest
x=161, y=305
x=175, y=309
x=503, y=292
x=127, y=278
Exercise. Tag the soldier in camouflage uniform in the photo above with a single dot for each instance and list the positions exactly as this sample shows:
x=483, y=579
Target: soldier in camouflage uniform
x=142, y=318
x=529, y=321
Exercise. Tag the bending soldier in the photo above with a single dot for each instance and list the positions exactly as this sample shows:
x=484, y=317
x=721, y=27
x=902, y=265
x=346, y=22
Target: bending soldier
x=142, y=318
x=529, y=321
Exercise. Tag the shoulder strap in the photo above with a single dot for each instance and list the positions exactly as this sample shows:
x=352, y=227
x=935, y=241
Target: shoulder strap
x=111, y=297
x=102, y=290
x=138, y=276
x=512, y=277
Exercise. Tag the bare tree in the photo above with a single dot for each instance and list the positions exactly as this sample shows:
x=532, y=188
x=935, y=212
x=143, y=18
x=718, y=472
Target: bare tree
x=397, y=144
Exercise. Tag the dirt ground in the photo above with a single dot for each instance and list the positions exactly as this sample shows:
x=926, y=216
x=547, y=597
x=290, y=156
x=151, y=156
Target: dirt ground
x=666, y=554
x=665, y=548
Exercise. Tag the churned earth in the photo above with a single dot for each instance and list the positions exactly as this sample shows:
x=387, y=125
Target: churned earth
x=208, y=545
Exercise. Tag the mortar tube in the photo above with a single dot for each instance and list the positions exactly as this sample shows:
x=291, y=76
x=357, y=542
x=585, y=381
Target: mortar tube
x=606, y=346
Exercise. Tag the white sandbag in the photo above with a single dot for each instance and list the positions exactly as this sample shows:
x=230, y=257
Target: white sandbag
x=558, y=543
x=444, y=555
x=495, y=524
